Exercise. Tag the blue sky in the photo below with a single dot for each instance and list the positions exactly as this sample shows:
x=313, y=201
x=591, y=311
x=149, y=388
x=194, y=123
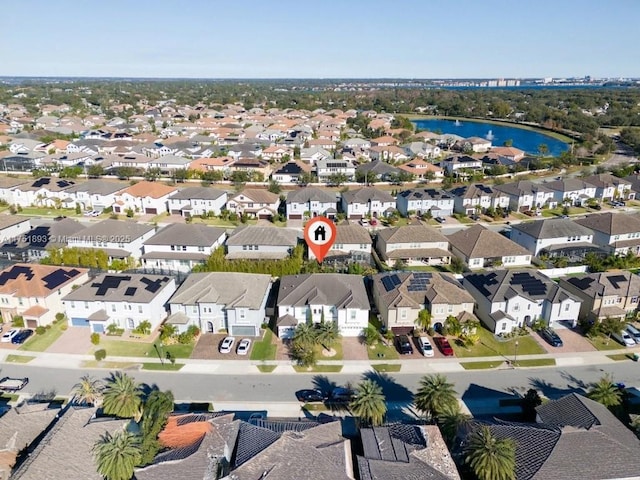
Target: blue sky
x=321, y=39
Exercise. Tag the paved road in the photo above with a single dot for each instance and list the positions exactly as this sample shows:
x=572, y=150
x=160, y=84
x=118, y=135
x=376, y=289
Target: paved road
x=267, y=388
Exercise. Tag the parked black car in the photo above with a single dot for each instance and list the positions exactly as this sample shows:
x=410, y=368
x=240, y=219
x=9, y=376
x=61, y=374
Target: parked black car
x=551, y=337
x=310, y=396
x=22, y=336
x=341, y=395
x=403, y=344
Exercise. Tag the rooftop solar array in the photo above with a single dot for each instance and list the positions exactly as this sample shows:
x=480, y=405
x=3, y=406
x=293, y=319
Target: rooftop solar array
x=109, y=282
x=59, y=277
x=419, y=282
x=153, y=285
x=530, y=285
x=482, y=281
x=130, y=291
x=14, y=272
x=617, y=280
x=582, y=283
x=41, y=182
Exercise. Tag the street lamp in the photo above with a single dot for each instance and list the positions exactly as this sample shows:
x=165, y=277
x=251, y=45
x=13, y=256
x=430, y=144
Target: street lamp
x=515, y=356
x=159, y=354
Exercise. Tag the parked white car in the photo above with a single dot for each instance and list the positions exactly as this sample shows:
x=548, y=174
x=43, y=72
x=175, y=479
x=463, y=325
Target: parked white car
x=243, y=346
x=227, y=345
x=7, y=337
x=425, y=346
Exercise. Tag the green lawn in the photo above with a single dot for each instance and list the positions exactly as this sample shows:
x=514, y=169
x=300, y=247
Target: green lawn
x=266, y=368
x=462, y=219
x=605, y=343
x=556, y=212
x=318, y=369
x=621, y=356
x=488, y=346
x=106, y=364
x=480, y=365
x=39, y=343
x=536, y=362
x=49, y=212
x=8, y=397
x=217, y=222
x=168, y=366
x=380, y=350
x=265, y=349
x=337, y=346
x=19, y=358
x=387, y=367
x=123, y=348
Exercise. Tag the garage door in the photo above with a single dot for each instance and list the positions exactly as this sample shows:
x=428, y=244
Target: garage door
x=295, y=217
x=153, y=211
x=244, y=331
x=98, y=328
x=264, y=216
x=79, y=322
x=32, y=323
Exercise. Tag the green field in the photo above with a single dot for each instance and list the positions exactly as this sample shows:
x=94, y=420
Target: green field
x=605, y=343
x=380, y=350
x=536, y=362
x=489, y=346
x=266, y=368
x=621, y=356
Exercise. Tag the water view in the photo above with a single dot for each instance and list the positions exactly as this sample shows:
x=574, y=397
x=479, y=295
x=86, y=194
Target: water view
x=526, y=140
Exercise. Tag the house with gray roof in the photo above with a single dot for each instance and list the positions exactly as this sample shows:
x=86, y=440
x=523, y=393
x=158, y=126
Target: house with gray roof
x=510, y=299
x=413, y=245
x=526, y=195
x=123, y=300
x=258, y=242
x=611, y=294
x=195, y=201
x=352, y=245
x=42, y=192
x=8, y=184
x=477, y=198
x=380, y=169
x=214, y=301
x=367, y=202
x=255, y=203
x=479, y=247
x=617, y=233
x=13, y=228
x=329, y=297
x=95, y=194
x=610, y=187
x=325, y=168
x=119, y=239
x=555, y=237
x=422, y=200
x=309, y=202
x=572, y=191
x=180, y=247
x=399, y=297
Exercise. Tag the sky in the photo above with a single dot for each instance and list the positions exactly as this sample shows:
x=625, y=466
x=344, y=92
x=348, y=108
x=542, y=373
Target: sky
x=321, y=39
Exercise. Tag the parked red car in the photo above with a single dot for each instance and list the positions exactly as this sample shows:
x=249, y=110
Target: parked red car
x=444, y=346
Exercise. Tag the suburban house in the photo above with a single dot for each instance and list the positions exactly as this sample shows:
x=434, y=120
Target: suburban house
x=572, y=191
x=255, y=203
x=413, y=245
x=215, y=301
x=480, y=247
x=94, y=194
x=121, y=300
x=512, y=154
x=555, y=237
x=610, y=187
x=389, y=153
x=13, y=228
x=261, y=243
x=618, y=233
x=119, y=239
x=422, y=150
x=461, y=166
x=290, y=172
x=574, y=438
x=367, y=202
x=510, y=299
x=42, y=192
x=196, y=201
x=144, y=198
x=475, y=144
x=309, y=202
x=33, y=246
x=477, y=198
x=399, y=297
x=180, y=247
x=326, y=168
x=423, y=169
x=611, y=294
x=422, y=200
x=8, y=185
x=526, y=195
x=352, y=245
x=34, y=291
x=378, y=169
x=317, y=297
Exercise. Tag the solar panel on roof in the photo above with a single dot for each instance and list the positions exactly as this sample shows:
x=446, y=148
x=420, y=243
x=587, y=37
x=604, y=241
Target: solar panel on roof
x=14, y=272
x=130, y=291
x=153, y=285
x=616, y=280
x=387, y=283
x=110, y=281
x=395, y=279
x=58, y=277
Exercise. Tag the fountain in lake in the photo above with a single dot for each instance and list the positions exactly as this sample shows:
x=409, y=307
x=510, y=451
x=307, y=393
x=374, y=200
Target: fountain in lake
x=458, y=123
x=489, y=135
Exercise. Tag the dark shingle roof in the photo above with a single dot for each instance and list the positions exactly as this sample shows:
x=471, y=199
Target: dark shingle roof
x=479, y=242
x=552, y=228
x=314, y=194
x=611, y=223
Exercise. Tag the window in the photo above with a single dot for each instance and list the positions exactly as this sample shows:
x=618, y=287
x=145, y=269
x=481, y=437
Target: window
x=20, y=301
x=184, y=248
x=86, y=305
x=352, y=314
x=201, y=249
x=139, y=308
x=245, y=247
x=634, y=299
x=113, y=307
x=567, y=306
x=449, y=308
x=403, y=314
x=173, y=247
x=503, y=326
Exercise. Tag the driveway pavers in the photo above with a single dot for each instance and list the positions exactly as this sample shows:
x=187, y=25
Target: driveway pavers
x=572, y=341
x=208, y=348
x=74, y=340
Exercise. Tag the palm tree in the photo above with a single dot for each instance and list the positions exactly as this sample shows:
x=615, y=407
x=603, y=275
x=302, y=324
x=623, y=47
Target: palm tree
x=424, y=320
x=122, y=397
x=327, y=333
x=606, y=392
x=434, y=394
x=369, y=403
x=489, y=457
x=370, y=335
x=305, y=334
x=449, y=419
x=116, y=455
x=87, y=391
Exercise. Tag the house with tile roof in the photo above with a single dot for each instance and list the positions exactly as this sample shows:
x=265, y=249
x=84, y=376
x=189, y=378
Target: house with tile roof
x=413, y=245
x=510, y=153
x=255, y=203
x=618, y=233
x=612, y=294
x=479, y=247
x=124, y=300
x=399, y=297
x=510, y=299
x=180, y=247
x=261, y=243
x=332, y=297
x=423, y=169
x=422, y=200
x=42, y=192
x=34, y=291
x=367, y=202
x=194, y=201
x=119, y=239
x=352, y=245
x=477, y=198
x=144, y=198
x=214, y=301
x=309, y=202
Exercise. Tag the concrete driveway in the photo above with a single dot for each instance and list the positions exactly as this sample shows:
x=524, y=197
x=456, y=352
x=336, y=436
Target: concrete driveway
x=74, y=340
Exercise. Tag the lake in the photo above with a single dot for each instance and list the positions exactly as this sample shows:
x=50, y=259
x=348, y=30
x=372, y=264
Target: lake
x=527, y=140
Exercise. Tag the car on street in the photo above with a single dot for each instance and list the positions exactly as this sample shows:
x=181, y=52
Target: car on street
x=227, y=344
x=444, y=346
x=341, y=395
x=8, y=336
x=403, y=344
x=243, y=346
x=551, y=337
x=425, y=347
x=310, y=395
x=21, y=336
x=8, y=384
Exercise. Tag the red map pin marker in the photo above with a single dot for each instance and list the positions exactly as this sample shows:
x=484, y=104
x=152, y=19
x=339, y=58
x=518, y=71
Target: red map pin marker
x=320, y=233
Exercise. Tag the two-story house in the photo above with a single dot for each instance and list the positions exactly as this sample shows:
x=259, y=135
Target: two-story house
x=611, y=294
x=413, y=245
x=195, y=201
x=352, y=245
x=35, y=292
x=318, y=297
x=124, y=300
x=422, y=200
x=255, y=203
x=477, y=198
x=95, y=194
x=291, y=172
x=42, y=192
x=180, y=247
x=399, y=297
x=610, y=187
x=461, y=166
x=144, y=198
x=367, y=202
x=309, y=202
x=510, y=299
x=571, y=191
x=526, y=195
x=618, y=233
x=215, y=301
x=261, y=243
x=119, y=239
x=327, y=167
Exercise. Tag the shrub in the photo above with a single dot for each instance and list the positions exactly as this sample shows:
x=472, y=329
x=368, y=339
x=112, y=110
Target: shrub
x=193, y=330
x=144, y=328
x=100, y=354
x=60, y=316
x=17, y=321
x=40, y=330
x=95, y=338
x=184, y=338
x=64, y=327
